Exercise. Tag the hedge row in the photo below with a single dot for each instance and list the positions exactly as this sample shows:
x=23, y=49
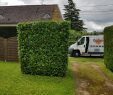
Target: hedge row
x=108, y=44
x=43, y=47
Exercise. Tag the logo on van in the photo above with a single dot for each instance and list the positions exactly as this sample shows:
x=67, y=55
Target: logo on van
x=98, y=41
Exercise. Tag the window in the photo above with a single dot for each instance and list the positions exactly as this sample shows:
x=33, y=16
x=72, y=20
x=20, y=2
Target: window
x=46, y=16
x=81, y=42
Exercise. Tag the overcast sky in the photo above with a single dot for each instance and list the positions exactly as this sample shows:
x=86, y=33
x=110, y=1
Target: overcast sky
x=96, y=14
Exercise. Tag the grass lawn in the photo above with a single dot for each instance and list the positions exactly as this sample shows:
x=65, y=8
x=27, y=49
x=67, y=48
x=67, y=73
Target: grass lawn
x=13, y=82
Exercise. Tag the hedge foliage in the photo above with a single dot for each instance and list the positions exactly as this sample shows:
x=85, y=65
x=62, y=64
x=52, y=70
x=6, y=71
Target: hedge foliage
x=108, y=47
x=43, y=47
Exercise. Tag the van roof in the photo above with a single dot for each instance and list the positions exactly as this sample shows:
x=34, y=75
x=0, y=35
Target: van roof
x=93, y=35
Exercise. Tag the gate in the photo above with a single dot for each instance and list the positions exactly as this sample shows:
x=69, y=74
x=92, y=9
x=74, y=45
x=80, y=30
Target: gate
x=1, y=49
x=8, y=49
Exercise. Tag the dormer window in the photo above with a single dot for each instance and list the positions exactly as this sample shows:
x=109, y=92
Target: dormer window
x=46, y=16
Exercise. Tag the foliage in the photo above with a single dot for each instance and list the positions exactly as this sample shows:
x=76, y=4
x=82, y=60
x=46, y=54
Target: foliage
x=74, y=36
x=72, y=14
x=108, y=47
x=43, y=48
x=95, y=33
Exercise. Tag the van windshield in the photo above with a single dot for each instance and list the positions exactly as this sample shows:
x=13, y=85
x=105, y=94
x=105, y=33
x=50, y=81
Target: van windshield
x=81, y=42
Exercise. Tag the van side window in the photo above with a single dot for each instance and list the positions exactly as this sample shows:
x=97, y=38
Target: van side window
x=81, y=42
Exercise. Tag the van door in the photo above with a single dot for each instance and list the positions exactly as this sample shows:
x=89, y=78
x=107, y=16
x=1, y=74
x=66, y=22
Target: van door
x=81, y=45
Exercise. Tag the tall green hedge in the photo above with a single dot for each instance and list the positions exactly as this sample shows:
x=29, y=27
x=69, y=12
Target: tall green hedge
x=108, y=47
x=43, y=48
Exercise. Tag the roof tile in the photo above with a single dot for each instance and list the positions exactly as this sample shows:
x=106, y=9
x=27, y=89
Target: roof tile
x=15, y=14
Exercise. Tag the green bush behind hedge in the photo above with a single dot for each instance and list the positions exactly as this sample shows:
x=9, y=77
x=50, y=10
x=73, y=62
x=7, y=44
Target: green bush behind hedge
x=108, y=47
x=75, y=35
x=43, y=47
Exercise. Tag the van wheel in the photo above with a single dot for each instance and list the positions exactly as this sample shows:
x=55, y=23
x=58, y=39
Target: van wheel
x=75, y=54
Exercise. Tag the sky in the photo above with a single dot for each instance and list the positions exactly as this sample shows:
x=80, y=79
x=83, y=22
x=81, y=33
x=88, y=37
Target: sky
x=96, y=14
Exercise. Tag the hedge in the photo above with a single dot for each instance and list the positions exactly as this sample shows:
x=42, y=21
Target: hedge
x=43, y=48
x=108, y=47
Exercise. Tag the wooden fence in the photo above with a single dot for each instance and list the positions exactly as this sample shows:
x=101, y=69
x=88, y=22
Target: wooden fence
x=8, y=49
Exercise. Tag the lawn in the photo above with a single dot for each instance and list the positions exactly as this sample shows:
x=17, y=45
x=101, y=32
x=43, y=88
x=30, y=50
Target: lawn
x=13, y=82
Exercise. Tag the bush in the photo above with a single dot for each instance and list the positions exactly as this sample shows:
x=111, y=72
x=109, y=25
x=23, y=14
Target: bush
x=43, y=48
x=74, y=36
x=108, y=47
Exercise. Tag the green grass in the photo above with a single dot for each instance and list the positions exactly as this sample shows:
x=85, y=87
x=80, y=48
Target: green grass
x=85, y=69
x=86, y=60
x=98, y=61
x=93, y=76
x=13, y=82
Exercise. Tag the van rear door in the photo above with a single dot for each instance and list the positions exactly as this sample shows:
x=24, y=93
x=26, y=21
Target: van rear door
x=96, y=45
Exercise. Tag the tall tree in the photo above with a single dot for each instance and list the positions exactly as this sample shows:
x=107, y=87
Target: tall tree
x=72, y=14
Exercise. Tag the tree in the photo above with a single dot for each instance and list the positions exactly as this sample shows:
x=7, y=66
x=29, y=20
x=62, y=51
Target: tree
x=72, y=14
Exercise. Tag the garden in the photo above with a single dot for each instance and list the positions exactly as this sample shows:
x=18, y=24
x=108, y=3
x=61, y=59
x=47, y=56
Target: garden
x=45, y=69
x=13, y=82
x=92, y=75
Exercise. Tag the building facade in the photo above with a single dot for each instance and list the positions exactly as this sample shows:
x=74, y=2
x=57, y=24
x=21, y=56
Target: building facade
x=10, y=16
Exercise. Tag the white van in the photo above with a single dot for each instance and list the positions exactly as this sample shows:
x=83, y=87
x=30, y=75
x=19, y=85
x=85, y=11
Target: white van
x=90, y=45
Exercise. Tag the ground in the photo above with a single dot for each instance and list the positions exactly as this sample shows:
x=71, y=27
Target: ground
x=13, y=82
x=85, y=76
x=91, y=76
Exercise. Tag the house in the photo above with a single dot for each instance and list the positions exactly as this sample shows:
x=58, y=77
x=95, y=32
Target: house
x=10, y=16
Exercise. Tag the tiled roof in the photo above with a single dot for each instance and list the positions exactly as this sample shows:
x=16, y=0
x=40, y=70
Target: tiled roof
x=15, y=14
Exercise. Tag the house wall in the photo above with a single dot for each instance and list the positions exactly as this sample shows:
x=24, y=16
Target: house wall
x=9, y=46
x=56, y=16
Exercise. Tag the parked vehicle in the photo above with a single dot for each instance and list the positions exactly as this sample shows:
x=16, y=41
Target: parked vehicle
x=90, y=45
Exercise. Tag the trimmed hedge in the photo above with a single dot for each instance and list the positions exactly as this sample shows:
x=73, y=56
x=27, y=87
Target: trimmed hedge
x=43, y=48
x=108, y=47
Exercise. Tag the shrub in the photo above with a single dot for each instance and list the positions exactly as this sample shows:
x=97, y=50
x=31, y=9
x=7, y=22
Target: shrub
x=43, y=48
x=108, y=47
x=74, y=36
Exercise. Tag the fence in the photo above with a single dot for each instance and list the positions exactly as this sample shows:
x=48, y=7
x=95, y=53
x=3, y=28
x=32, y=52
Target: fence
x=8, y=49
